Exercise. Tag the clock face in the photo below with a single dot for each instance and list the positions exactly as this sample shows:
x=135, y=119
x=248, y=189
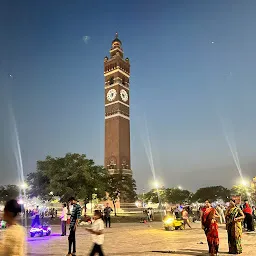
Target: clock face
x=124, y=95
x=111, y=94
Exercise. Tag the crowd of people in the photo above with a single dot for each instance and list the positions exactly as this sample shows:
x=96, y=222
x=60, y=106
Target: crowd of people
x=96, y=228
x=234, y=216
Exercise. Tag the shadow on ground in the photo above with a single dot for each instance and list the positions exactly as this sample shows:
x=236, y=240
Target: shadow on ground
x=40, y=254
x=194, y=252
x=183, y=252
x=188, y=252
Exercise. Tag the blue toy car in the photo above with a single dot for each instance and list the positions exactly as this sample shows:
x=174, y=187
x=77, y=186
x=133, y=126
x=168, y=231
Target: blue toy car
x=41, y=231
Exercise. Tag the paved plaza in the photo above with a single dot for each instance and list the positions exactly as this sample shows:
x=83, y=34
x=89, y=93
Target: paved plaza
x=138, y=239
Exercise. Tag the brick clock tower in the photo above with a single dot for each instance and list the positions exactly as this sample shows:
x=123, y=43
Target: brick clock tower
x=117, y=111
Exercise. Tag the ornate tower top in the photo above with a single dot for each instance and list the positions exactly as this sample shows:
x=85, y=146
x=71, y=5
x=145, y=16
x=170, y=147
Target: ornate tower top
x=116, y=43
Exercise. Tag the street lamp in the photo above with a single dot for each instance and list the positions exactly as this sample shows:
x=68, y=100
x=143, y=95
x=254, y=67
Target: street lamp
x=156, y=184
x=23, y=185
x=244, y=183
x=93, y=195
x=143, y=195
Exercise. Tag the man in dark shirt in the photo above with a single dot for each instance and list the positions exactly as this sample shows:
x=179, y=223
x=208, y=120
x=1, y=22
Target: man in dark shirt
x=74, y=218
x=107, y=212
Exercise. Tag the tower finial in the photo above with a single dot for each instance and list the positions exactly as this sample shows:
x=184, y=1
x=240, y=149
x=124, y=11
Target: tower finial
x=116, y=35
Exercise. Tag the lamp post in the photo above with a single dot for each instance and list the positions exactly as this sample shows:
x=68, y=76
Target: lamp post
x=143, y=194
x=95, y=189
x=23, y=202
x=156, y=184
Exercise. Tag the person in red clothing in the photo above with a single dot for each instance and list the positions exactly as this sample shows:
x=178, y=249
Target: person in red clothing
x=210, y=227
x=248, y=216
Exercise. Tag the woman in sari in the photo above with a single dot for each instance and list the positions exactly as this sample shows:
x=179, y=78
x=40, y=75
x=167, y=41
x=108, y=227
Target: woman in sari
x=234, y=216
x=210, y=227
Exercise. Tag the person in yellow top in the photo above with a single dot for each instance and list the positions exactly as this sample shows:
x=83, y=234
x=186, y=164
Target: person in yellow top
x=13, y=242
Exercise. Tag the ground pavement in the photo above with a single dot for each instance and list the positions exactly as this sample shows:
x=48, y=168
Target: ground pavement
x=131, y=239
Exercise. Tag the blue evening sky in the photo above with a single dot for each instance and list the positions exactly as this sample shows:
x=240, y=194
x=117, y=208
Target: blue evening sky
x=192, y=70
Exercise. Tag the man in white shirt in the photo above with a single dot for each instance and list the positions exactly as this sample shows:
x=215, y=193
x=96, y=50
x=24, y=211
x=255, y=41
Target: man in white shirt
x=64, y=217
x=97, y=234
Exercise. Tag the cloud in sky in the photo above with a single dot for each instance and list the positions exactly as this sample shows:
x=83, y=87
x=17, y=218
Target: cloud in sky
x=86, y=39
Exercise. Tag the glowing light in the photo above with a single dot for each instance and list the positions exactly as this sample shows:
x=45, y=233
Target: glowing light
x=137, y=204
x=169, y=221
x=20, y=201
x=244, y=182
x=156, y=184
x=24, y=185
x=180, y=187
x=233, y=149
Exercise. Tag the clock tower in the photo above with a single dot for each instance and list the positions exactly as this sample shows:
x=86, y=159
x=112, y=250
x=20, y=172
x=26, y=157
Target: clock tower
x=117, y=110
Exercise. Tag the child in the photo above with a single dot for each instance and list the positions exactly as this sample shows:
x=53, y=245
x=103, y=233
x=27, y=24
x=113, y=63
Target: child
x=97, y=234
x=14, y=238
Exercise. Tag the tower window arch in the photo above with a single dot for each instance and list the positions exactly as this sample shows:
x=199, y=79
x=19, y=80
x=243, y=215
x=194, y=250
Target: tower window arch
x=111, y=80
x=123, y=80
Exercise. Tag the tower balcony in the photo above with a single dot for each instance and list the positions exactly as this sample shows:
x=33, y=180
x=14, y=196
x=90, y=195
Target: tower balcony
x=118, y=81
x=117, y=171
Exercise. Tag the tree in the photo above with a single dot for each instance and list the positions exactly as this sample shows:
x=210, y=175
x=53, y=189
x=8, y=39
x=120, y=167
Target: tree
x=71, y=175
x=155, y=196
x=212, y=193
x=151, y=196
x=39, y=184
x=243, y=191
x=121, y=187
x=176, y=195
x=9, y=192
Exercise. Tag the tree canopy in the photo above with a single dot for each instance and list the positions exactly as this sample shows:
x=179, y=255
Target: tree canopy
x=167, y=195
x=122, y=186
x=75, y=175
x=9, y=192
x=176, y=195
x=212, y=193
x=243, y=191
x=71, y=175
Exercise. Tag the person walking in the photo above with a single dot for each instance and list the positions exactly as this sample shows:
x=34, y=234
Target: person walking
x=107, y=213
x=97, y=234
x=221, y=214
x=13, y=242
x=210, y=227
x=248, y=216
x=185, y=217
x=234, y=217
x=149, y=213
x=74, y=218
x=64, y=218
x=177, y=212
x=36, y=220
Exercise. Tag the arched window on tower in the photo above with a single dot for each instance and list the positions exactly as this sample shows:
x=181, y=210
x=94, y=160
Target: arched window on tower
x=123, y=80
x=111, y=80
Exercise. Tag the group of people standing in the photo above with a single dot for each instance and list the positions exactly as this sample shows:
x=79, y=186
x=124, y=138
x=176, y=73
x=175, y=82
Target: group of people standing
x=234, y=216
x=96, y=229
